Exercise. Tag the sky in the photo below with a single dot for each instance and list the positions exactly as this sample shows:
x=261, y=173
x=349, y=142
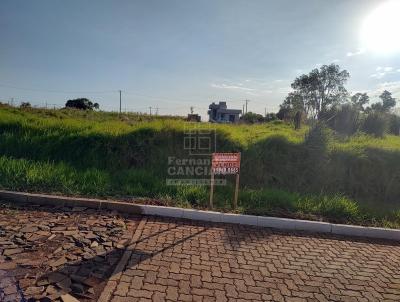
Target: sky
x=176, y=54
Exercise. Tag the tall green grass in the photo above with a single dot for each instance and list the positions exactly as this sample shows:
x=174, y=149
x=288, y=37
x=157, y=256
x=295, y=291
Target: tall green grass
x=284, y=172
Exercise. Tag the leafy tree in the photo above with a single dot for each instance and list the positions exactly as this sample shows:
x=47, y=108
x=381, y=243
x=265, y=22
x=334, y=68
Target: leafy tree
x=375, y=107
x=294, y=102
x=359, y=100
x=25, y=105
x=320, y=89
x=388, y=102
x=82, y=104
x=284, y=113
x=252, y=118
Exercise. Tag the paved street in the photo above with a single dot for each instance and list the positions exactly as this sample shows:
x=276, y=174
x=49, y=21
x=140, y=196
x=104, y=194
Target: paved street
x=180, y=260
x=186, y=261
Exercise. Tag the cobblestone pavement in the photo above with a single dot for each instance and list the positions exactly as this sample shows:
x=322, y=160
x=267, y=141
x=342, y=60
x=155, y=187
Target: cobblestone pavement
x=178, y=260
x=54, y=254
x=69, y=254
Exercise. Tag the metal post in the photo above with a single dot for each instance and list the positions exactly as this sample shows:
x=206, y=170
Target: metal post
x=120, y=102
x=210, y=204
x=235, y=201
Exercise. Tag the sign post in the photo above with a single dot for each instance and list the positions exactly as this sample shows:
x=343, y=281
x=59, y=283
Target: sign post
x=225, y=164
x=210, y=204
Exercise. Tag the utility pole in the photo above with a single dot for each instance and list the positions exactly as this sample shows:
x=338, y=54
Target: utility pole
x=246, y=104
x=265, y=111
x=243, y=110
x=157, y=110
x=150, y=110
x=120, y=102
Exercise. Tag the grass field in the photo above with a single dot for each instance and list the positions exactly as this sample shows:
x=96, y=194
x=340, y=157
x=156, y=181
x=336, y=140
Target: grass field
x=308, y=174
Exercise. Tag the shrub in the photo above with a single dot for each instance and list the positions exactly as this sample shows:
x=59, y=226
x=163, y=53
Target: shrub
x=252, y=118
x=270, y=117
x=81, y=103
x=394, y=124
x=375, y=124
x=25, y=105
x=318, y=138
x=345, y=120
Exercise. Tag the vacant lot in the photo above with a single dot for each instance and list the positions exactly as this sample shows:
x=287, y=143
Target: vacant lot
x=315, y=175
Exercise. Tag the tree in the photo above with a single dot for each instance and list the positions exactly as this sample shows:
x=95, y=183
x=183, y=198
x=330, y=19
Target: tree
x=294, y=102
x=82, y=104
x=388, y=102
x=25, y=105
x=320, y=89
x=359, y=100
x=252, y=118
x=284, y=113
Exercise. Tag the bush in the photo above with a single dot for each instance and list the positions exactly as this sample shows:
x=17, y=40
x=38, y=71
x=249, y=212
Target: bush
x=25, y=105
x=252, y=118
x=318, y=139
x=82, y=104
x=344, y=120
x=375, y=124
x=270, y=117
x=394, y=124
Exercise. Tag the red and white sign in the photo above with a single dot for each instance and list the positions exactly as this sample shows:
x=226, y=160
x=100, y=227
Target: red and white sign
x=225, y=163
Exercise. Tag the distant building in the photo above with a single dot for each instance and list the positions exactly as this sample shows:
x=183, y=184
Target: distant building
x=194, y=117
x=219, y=113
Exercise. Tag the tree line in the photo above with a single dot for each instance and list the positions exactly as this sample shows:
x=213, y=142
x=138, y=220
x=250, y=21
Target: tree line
x=321, y=96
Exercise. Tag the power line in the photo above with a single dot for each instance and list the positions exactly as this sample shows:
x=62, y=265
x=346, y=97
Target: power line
x=55, y=91
x=173, y=99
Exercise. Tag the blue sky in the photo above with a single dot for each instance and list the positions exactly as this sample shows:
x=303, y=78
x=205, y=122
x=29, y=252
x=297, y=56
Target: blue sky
x=177, y=54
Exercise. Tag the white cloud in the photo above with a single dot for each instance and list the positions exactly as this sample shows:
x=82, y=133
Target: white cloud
x=393, y=87
x=379, y=68
x=227, y=86
x=356, y=53
x=383, y=71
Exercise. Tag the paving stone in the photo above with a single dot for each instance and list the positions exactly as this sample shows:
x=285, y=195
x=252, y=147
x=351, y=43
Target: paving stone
x=180, y=260
x=30, y=252
x=216, y=262
x=68, y=298
x=9, y=252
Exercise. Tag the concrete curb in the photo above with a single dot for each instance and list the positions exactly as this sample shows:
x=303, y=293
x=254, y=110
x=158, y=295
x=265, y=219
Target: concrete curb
x=260, y=221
